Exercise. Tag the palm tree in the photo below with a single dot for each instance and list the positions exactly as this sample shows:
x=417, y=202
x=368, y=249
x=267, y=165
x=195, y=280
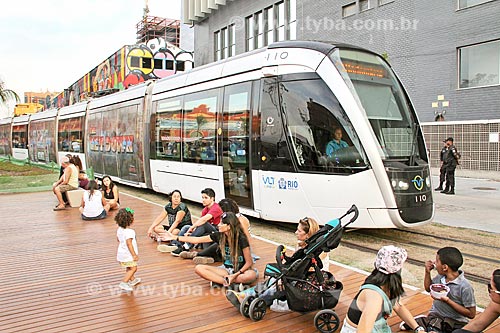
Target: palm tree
x=7, y=94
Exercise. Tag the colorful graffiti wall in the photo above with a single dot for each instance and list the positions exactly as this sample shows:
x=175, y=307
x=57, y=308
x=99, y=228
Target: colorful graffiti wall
x=131, y=64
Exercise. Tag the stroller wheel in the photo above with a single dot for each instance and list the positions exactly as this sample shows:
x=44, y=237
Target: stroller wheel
x=245, y=305
x=257, y=309
x=326, y=321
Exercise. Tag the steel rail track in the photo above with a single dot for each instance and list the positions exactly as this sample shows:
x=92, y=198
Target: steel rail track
x=469, y=276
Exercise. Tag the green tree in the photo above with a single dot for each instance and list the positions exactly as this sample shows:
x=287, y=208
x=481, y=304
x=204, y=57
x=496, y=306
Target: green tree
x=7, y=94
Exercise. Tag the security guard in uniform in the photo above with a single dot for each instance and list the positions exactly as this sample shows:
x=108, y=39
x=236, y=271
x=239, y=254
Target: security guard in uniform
x=450, y=162
x=442, y=169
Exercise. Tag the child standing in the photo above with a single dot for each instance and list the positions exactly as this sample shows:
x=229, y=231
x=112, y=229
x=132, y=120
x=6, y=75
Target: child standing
x=127, y=253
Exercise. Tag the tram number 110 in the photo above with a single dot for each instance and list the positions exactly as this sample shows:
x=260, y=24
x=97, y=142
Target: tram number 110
x=420, y=198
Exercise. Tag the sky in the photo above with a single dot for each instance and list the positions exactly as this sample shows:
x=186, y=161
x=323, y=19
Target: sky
x=50, y=44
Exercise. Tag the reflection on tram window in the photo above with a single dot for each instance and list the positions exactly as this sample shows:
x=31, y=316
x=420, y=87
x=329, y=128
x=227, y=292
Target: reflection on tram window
x=200, y=126
x=321, y=137
x=167, y=130
x=70, y=135
x=19, y=135
x=236, y=129
x=42, y=141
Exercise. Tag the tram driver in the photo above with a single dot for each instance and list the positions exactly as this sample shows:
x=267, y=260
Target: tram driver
x=336, y=143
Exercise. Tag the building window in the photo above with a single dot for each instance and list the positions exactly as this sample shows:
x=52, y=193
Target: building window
x=349, y=9
x=275, y=23
x=260, y=29
x=224, y=43
x=270, y=25
x=292, y=19
x=218, y=47
x=469, y=3
x=364, y=5
x=249, y=33
x=479, y=65
x=383, y=2
x=232, y=40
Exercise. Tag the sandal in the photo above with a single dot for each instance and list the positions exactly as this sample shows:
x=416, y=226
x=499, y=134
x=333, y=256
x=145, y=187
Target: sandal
x=58, y=208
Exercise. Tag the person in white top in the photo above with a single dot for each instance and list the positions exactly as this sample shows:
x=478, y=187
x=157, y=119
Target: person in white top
x=127, y=253
x=93, y=206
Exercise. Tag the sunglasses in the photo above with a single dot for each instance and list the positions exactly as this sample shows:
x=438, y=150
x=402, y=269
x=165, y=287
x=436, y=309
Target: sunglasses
x=306, y=220
x=490, y=290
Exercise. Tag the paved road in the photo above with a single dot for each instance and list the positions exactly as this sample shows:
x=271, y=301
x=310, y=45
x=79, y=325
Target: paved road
x=476, y=204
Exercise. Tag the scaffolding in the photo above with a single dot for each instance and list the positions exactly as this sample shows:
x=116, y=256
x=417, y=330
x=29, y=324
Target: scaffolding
x=151, y=27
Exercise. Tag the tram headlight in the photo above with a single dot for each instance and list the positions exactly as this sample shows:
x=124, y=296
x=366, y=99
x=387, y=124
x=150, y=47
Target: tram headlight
x=428, y=181
x=394, y=183
x=403, y=185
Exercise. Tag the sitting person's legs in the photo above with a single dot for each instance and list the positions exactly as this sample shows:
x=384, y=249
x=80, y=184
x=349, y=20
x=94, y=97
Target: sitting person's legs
x=58, y=191
x=204, y=229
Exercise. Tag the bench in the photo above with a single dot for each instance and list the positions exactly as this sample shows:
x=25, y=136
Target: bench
x=75, y=197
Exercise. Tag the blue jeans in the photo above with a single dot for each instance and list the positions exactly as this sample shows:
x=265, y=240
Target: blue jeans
x=202, y=230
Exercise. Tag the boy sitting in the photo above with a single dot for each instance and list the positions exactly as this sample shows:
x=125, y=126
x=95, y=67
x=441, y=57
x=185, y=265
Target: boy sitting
x=453, y=310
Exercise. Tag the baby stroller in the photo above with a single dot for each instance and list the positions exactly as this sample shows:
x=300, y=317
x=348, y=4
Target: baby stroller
x=304, y=289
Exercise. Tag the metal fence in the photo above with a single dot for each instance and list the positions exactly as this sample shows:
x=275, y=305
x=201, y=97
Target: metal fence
x=477, y=141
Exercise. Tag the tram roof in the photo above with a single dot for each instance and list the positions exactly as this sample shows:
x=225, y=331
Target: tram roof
x=324, y=47
x=235, y=65
x=50, y=113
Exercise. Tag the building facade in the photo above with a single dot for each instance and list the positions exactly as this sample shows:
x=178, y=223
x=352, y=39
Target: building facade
x=446, y=53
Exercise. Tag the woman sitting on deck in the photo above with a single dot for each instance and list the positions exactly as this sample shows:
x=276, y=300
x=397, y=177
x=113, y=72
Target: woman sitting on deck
x=235, y=251
x=110, y=193
x=93, y=206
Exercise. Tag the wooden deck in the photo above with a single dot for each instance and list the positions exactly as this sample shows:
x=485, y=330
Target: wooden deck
x=59, y=274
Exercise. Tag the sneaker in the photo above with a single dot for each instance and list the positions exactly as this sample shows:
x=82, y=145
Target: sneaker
x=404, y=327
x=188, y=254
x=279, y=306
x=166, y=248
x=203, y=260
x=216, y=285
x=134, y=282
x=235, y=298
x=125, y=286
x=177, y=252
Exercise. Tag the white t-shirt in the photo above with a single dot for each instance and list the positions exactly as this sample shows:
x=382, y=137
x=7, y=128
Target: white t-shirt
x=123, y=254
x=93, y=205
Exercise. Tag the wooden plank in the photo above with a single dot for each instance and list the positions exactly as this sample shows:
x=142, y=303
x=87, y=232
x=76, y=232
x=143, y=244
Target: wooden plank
x=59, y=274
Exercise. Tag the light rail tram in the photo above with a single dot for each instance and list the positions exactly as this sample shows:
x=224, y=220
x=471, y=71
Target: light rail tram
x=294, y=129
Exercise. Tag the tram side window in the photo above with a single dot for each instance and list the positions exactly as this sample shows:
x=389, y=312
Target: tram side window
x=274, y=154
x=200, y=127
x=320, y=134
x=19, y=136
x=70, y=135
x=4, y=139
x=167, y=130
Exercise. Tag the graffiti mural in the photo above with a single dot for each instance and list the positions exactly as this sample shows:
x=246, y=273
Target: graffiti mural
x=130, y=65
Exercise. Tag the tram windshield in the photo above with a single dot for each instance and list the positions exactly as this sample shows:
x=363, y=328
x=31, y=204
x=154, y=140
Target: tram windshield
x=379, y=93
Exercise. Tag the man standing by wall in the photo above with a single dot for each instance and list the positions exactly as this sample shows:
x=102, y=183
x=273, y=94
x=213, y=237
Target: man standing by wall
x=450, y=161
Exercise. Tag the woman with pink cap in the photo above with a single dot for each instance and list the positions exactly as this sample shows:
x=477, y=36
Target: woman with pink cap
x=379, y=295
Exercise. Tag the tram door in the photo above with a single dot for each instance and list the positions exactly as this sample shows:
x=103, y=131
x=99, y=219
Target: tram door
x=235, y=143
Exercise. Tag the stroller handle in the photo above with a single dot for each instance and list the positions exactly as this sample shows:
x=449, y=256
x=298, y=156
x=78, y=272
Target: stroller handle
x=351, y=210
